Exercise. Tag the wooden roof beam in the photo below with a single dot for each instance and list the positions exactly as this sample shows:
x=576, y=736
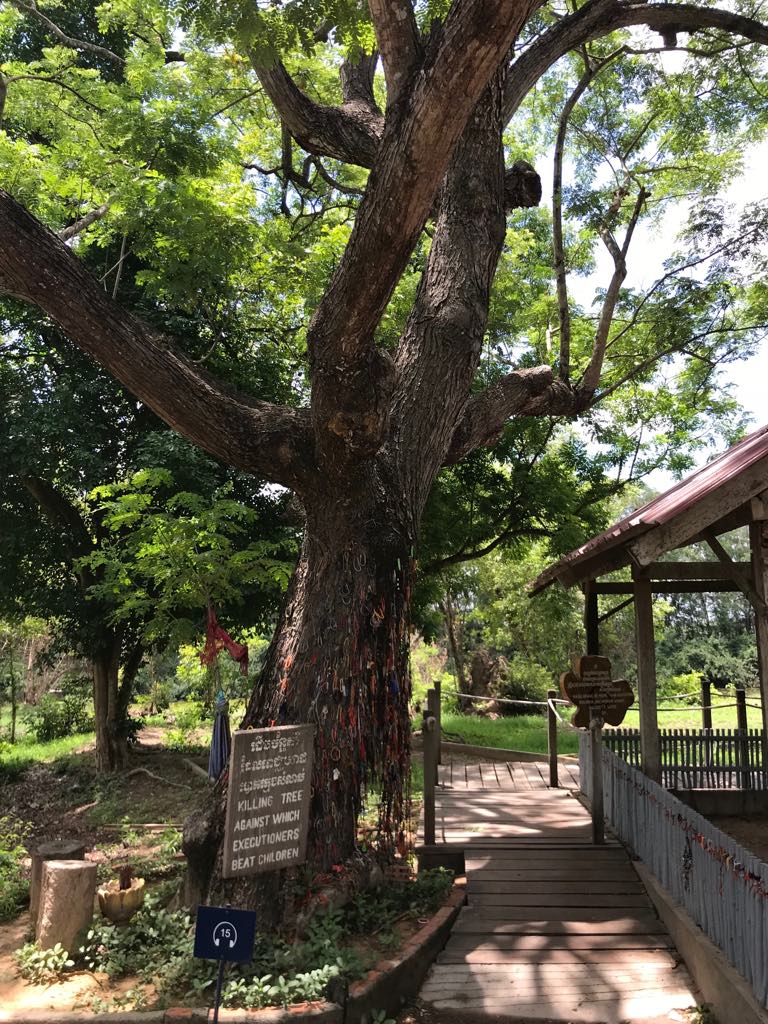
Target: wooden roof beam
x=669, y=587
x=700, y=515
x=739, y=577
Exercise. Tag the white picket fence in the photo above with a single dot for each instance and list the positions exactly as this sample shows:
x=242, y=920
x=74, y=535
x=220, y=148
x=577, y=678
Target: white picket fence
x=722, y=886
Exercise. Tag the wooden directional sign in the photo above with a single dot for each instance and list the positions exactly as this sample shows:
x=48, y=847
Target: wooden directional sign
x=589, y=685
x=268, y=799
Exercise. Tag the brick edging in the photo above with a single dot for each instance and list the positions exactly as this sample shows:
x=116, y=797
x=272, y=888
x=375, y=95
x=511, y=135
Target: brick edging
x=389, y=986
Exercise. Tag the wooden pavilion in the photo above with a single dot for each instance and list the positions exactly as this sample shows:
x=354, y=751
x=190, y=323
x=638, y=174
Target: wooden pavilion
x=728, y=493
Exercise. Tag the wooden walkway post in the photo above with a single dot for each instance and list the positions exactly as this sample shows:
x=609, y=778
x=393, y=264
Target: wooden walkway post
x=706, y=703
x=758, y=542
x=650, y=753
x=437, y=712
x=430, y=775
x=552, y=738
x=596, y=767
x=742, y=745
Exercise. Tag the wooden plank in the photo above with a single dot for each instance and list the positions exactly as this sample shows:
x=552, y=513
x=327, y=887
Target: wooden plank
x=576, y=886
x=662, y=587
x=556, y=956
x=543, y=943
x=554, y=913
x=521, y=899
x=617, y=873
x=706, y=571
x=641, y=925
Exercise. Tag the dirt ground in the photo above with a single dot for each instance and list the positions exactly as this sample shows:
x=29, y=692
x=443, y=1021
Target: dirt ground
x=751, y=833
x=67, y=800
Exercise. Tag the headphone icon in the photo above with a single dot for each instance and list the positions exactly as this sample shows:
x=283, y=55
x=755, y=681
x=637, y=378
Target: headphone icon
x=225, y=930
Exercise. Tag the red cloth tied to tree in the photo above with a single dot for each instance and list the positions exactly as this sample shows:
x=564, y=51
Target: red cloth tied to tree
x=218, y=639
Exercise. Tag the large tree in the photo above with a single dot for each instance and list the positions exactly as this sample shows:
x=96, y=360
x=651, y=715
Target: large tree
x=394, y=311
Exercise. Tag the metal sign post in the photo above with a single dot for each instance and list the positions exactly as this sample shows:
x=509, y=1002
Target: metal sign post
x=224, y=935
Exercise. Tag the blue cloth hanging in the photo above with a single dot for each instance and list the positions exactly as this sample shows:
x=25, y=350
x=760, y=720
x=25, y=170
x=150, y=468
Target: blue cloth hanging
x=221, y=739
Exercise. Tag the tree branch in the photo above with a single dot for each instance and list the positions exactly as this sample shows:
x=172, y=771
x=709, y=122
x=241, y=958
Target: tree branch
x=601, y=17
x=350, y=133
x=522, y=186
x=37, y=267
x=80, y=225
x=413, y=157
x=591, y=377
x=558, y=244
x=397, y=36
x=30, y=7
x=487, y=411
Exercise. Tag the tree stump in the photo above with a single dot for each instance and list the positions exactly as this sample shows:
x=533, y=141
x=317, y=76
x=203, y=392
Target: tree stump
x=58, y=849
x=65, y=908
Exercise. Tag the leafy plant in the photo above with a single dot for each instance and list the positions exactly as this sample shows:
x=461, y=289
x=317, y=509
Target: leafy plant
x=56, y=717
x=14, y=887
x=42, y=965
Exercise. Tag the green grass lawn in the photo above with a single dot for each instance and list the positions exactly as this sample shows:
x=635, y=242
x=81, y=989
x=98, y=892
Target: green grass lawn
x=18, y=756
x=674, y=715
x=518, y=732
x=529, y=732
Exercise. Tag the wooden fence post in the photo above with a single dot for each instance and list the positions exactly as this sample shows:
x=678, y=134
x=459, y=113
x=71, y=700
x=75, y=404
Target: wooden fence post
x=596, y=758
x=434, y=712
x=706, y=701
x=552, y=738
x=430, y=776
x=438, y=713
x=742, y=745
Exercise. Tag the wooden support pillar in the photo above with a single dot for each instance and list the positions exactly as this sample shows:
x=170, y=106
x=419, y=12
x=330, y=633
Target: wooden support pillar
x=437, y=687
x=430, y=775
x=742, y=745
x=706, y=703
x=552, y=696
x=650, y=754
x=591, y=619
x=596, y=768
x=758, y=541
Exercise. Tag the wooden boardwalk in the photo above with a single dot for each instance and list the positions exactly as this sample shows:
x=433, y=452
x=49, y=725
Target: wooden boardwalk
x=554, y=928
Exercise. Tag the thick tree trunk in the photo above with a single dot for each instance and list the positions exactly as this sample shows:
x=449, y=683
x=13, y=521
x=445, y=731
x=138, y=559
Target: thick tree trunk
x=339, y=661
x=111, y=746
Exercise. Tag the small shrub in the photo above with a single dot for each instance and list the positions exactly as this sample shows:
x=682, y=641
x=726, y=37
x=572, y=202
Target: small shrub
x=56, y=717
x=687, y=686
x=14, y=888
x=41, y=966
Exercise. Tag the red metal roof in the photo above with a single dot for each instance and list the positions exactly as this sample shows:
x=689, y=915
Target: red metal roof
x=667, y=506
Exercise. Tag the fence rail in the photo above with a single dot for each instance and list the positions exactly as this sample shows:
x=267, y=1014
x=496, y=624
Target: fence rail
x=722, y=886
x=699, y=758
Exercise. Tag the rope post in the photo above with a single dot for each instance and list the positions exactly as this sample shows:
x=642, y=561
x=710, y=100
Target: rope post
x=430, y=776
x=552, y=738
x=742, y=746
x=438, y=713
x=706, y=702
x=434, y=712
x=596, y=758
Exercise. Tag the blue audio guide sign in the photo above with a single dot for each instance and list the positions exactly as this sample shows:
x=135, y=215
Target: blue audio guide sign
x=222, y=933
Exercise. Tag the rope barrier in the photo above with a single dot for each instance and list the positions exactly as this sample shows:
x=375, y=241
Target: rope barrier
x=559, y=717
x=507, y=700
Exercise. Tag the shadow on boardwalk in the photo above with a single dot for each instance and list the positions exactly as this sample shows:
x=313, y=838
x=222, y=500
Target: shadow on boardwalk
x=555, y=929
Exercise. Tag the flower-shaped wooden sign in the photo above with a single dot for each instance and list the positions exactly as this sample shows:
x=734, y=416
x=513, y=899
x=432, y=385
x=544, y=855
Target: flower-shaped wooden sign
x=589, y=685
